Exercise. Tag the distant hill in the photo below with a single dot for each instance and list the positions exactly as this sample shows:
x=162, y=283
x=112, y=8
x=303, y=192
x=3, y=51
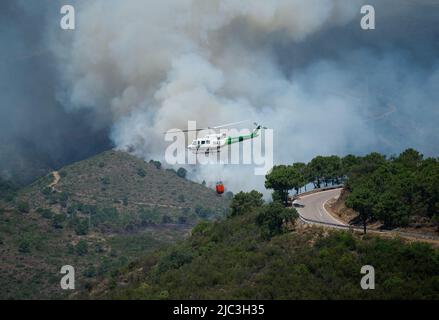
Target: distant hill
x=98, y=215
x=117, y=180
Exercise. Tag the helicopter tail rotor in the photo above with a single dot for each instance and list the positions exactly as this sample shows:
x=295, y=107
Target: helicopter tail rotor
x=259, y=126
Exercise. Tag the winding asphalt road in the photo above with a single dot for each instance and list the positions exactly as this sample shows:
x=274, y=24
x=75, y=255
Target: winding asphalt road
x=312, y=206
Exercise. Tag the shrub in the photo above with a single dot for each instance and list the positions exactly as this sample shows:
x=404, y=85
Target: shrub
x=45, y=213
x=24, y=246
x=90, y=272
x=157, y=164
x=141, y=172
x=63, y=197
x=70, y=248
x=181, y=172
x=81, y=227
x=58, y=221
x=81, y=248
x=175, y=259
x=71, y=210
x=244, y=201
x=273, y=218
x=99, y=248
x=182, y=220
x=202, y=212
x=46, y=191
x=23, y=207
x=166, y=219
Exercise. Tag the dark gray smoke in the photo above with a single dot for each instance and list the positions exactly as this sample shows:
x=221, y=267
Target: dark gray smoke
x=36, y=133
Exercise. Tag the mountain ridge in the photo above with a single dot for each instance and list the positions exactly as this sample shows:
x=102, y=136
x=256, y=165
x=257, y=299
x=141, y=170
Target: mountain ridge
x=98, y=215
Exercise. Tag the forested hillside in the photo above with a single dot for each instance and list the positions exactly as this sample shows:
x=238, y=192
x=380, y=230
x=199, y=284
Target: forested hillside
x=97, y=215
x=262, y=252
x=398, y=191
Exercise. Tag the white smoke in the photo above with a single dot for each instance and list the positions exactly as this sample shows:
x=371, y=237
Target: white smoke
x=148, y=66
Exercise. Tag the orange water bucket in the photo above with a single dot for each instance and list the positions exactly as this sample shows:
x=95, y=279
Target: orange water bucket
x=219, y=187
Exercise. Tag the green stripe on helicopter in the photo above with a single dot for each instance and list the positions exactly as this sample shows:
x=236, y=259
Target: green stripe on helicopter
x=231, y=140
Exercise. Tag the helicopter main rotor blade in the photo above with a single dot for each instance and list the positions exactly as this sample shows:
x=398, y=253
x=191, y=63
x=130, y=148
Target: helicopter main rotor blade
x=175, y=131
x=208, y=128
x=228, y=125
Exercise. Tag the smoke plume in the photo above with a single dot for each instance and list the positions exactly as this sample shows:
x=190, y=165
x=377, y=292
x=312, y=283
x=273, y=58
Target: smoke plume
x=304, y=68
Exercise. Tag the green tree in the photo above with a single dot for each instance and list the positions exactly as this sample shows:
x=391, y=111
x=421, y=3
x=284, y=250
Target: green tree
x=282, y=179
x=362, y=200
x=401, y=187
x=333, y=170
x=390, y=209
x=348, y=163
x=299, y=179
x=325, y=170
x=181, y=172
x=273, y=219
x=410, y=158
x=316, y=171
x=245, y=201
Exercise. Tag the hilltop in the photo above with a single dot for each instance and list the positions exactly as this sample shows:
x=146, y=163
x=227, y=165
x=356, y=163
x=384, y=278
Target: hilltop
x=98, y=215
x=117, y=180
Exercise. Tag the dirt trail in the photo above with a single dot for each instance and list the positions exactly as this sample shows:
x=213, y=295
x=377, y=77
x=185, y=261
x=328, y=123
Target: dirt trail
x=56, y=178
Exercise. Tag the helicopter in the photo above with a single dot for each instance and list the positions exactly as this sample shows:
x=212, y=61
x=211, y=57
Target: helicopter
x=213, y=143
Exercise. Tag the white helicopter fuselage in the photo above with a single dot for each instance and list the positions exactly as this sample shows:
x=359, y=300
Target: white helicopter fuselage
x=214, y=142
x=208, y=143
